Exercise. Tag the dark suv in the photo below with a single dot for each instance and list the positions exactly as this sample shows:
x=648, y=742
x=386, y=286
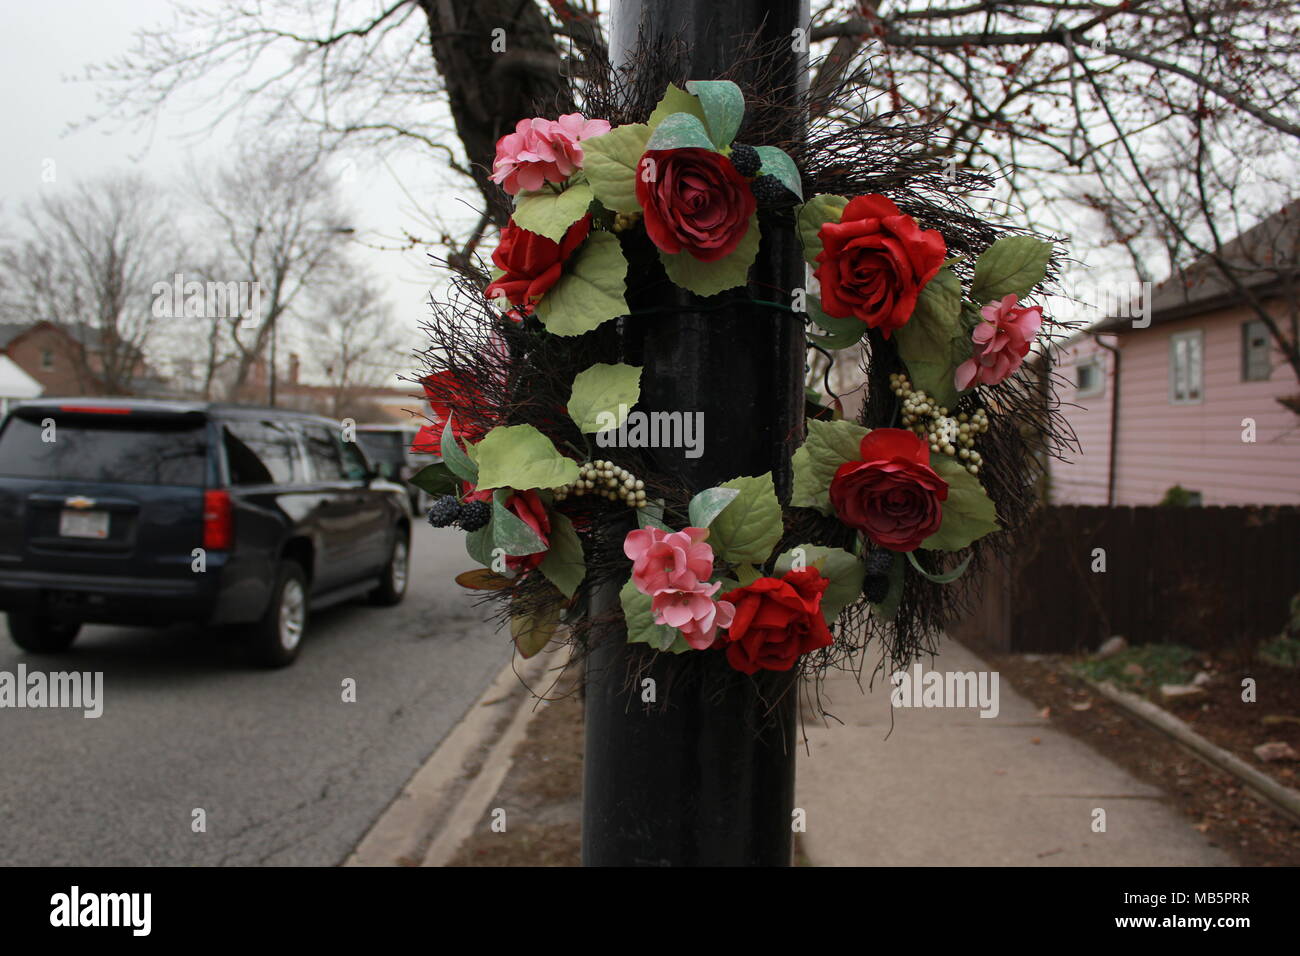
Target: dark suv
x=154, y=512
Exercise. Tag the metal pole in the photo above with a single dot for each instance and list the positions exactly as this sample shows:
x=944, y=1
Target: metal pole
x=704, y=774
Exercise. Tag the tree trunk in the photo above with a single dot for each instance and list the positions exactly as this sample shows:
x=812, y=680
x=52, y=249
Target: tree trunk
x=499, y=62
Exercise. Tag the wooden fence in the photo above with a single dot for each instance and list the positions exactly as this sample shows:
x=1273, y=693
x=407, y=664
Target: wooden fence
x=1205, y=577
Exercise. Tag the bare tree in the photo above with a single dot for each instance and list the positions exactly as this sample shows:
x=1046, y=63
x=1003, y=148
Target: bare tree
x=355, y=343
x=1070, y=100
x=280, y=224
x=89, y=263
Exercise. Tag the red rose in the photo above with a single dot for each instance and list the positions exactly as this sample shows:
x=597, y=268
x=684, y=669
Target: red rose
x=450, y=395
x=874, y=262
x=776, y=620
x=532, y=263
x=892, y=495
x=527, y=506
x=695, y=201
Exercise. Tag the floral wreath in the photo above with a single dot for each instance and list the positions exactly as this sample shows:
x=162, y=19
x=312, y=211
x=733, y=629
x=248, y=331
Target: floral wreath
x=875, y=513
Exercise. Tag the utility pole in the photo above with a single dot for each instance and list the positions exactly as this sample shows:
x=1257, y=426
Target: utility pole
x=697, y=766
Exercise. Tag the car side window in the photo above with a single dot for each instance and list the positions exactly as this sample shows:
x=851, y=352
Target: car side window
x=260, y=453
x=354, y=461
x=323, y=452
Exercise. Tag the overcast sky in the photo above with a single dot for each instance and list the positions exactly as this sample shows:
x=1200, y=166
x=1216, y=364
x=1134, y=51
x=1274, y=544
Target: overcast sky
x=44, y=49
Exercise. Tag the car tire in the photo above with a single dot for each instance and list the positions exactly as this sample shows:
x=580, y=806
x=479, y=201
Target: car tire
x=42, y=635
x=397, y=572
x=276, y=639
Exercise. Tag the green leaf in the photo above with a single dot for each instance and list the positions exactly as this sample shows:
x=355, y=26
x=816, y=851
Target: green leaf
x=845, y=572
x=519, y=456
x=564, y=565
x=724, y=108
x=777, y=162
x=708, y=504
x=888, y=608
x=1012, y=265
x=479, y=544
x=750, y=526
x=814, y=214
x=746, y=574
x=710, y=278
x=829, y=445
x=532, y=632
x=680, y=131
x=652, y=515
x=610, y=162
x=675, y=100
x=509, y=532
x=641, y=626
x=590, y=292
x=841, y=333
x=453, y=457
x=946, y=577
x=550, y=214
x=436, y=479
x=929, y=342
x=968, y=514
x=604, y=390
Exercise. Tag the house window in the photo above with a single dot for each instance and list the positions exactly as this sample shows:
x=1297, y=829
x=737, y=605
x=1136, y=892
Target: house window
x=47, y=360
x=1185, y=368
x=1256, y=344
x=1088, y=378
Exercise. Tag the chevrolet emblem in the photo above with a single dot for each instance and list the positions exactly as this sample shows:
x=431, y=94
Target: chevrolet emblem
x=80, y=503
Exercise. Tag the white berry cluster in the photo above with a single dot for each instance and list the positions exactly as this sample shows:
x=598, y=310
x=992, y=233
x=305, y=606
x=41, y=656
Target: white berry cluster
x=606, y=479
x=946, y=434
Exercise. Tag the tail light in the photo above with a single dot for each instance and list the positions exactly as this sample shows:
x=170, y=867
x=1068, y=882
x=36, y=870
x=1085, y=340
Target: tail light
x=218, y=520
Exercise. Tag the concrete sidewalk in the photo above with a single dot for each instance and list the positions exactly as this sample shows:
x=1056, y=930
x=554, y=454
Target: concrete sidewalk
x=951, y=788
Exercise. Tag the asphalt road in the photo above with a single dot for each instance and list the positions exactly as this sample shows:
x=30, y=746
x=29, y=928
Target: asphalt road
x=285, y=770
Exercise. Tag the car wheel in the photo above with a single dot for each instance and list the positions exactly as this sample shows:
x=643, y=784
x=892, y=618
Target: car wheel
x=40, y=634
x=392, y=587
x=277, y=637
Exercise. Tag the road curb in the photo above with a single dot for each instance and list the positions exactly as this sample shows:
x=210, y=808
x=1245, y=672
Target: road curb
x=444, y=799
x=1280, y=796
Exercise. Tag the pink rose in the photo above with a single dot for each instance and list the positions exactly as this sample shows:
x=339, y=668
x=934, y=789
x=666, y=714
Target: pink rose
x=1001, y=341
x=664, y=560
x=694, y=613
x=673, y=568
x=541, y=151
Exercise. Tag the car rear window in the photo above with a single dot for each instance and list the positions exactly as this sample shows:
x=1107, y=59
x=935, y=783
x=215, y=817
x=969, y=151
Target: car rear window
x=153, y=453
x=383, y=446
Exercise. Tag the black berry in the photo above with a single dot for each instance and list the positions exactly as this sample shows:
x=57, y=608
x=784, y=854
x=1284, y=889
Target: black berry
x=875, y=587
x=769, y=191
x=475, y=515
x=444, y=511
x=746, y=160
x=879, y=562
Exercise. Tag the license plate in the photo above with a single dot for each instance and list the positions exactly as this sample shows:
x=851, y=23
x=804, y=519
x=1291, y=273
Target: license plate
x=83, y=524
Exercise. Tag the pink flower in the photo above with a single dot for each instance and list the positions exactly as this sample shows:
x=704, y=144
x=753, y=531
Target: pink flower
x=541, y=151
x=1000, y=343
x=694, y=613
x=668, y=560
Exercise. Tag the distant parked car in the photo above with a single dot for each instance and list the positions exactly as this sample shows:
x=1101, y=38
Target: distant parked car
x=389, y=447
x=152, y=512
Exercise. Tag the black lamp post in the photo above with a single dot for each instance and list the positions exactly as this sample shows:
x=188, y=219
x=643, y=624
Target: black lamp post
x=704, y=773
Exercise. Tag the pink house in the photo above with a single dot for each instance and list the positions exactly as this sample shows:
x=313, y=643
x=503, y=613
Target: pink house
x=1191, y=399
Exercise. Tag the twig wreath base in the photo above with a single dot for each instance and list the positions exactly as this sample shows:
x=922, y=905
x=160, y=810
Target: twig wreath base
x=889, y=517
